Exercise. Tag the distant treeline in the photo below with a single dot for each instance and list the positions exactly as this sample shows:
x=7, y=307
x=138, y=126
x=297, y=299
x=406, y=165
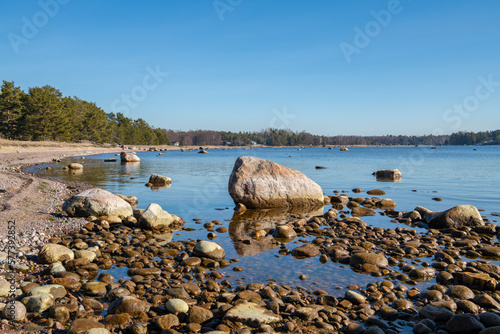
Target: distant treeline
x=279, y=137
x=43, y=113
x=475, y=138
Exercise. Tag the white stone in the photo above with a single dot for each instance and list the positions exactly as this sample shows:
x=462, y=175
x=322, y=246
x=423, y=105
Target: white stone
x=155, y=217
x=251, y=314
x=176, y=306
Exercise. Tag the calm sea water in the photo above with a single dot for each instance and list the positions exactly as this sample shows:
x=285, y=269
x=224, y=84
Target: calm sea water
x=458, y=175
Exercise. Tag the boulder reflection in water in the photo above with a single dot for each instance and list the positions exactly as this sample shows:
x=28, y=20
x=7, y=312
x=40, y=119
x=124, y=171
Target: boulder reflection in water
x=243, y=228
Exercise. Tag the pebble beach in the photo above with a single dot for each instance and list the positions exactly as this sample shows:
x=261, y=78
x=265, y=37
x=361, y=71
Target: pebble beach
x=62, y=284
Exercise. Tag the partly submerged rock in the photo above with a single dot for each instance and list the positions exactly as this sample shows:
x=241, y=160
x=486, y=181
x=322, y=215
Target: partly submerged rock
x=375, y=259
x=456, y=217
x=155, y=217
x=159, y=180
x=386, y=203
x=96, y=202
x=75, y=166
x=129, y=157
x=388, y=175
x=285, y=231
x=260, y=184
x=306, y=251
x=209, y=249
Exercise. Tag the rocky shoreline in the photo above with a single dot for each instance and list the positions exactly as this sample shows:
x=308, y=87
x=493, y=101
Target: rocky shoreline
x=176, y=286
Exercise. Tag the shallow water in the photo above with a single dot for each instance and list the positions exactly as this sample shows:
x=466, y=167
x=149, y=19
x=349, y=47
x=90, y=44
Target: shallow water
x=458, y=175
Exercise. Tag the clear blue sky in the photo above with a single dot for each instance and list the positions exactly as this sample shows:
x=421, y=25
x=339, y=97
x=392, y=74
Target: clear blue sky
x=327, y=67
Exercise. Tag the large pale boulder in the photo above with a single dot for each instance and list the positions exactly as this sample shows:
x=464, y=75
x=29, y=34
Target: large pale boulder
x=96, y=202
x=129, y=157
x=458, y=216
x=155, y=217
x=260, y=184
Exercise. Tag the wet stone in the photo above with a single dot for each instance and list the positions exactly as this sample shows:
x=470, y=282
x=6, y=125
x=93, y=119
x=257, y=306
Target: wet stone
x=464, y=324
x=167, y=321
x=117, y=320
x=306, y=313
x=306, y=251
x=60, y=313
x=489, y=319
x=378, y=260
x=199, y=315
x=354, y=328
x=460, y=292
x=431, y=295
x=435, y=313
x=95, y=289
x=467, y=306
x=94, y=305
x=486, y=301
x=68, y=284
x=80, y=326
x=475, y=280
x=355, y=297
x=422, y=273
x=130, y=305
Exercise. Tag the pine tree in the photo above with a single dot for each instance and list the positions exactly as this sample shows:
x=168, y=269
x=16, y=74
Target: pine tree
x=44, y=118
x=10, y=109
